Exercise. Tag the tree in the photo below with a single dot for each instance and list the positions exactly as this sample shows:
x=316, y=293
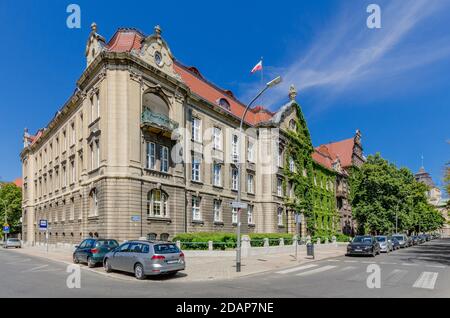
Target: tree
x=447, y=181
x=385, y=198
x=11, y=203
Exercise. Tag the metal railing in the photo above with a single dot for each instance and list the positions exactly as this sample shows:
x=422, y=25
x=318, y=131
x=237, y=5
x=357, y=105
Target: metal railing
x=159, y=120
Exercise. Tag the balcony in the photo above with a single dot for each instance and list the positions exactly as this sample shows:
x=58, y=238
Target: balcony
x=158, y=123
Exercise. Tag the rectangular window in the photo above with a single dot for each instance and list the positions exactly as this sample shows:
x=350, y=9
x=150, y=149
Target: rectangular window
x=217, y=172
x=250, y=151
x=280, y=157
x=217, y=211
x=291, y=165
x=250, y=214
x=92, y=109
x=217, y=138
x=91, y=149
x=97, y=98
x=234, y=179
x=97, y=151
x=65, y=140
x=250, y=181
x=164, y=159
x=279, y=187
x=72, y=209
x=196, y=213
x=72, y=169
x=234, y=215
x=234, y=148
x=150, y=155
x=280, y=216
x=64, y=181
x=196, y=129
x=196, y=168
x=72, y=128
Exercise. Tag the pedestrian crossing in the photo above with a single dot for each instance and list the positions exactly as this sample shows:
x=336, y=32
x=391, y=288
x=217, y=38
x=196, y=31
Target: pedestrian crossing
x=407, y=274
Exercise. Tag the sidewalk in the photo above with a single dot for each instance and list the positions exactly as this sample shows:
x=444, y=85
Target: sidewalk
x=201, y=268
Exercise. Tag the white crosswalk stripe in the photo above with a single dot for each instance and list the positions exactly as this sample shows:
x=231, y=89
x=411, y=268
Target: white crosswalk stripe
x=317, y=270
x=426, y=280
x=296, y=269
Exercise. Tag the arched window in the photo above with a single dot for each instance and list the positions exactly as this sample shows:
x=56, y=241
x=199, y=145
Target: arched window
x=157, y=204
x=93, y=203
x=224, y=103
x=151, y=236
x=164, y=237
x=155, y=104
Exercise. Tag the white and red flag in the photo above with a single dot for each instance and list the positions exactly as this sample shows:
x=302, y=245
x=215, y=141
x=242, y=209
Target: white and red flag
x=258, y=67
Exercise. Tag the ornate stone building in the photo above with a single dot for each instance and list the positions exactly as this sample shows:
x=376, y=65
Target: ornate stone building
x=146, y=146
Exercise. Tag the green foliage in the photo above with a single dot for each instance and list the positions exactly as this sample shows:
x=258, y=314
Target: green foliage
x=11, y=201
x=447, y=181
x=223, y=240
x=381, y=190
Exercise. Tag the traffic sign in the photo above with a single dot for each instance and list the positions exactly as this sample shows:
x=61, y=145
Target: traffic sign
x=6, y=228
x=43, y=225
x=239, y=205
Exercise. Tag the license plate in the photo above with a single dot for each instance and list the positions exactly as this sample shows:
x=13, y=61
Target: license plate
x=358, y=250
x=172, y=262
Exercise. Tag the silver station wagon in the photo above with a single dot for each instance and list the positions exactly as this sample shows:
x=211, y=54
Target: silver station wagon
x=145, y=258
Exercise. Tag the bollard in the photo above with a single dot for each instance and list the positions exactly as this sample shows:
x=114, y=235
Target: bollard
x=281, y=241
x=210, y=245
x=308, y=239
x=326, y=240
x=318, y=241
x=266, y=242
x=178, y=243
x=245, y=245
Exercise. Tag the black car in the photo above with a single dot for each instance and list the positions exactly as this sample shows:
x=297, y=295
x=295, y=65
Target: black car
x=363, y=245
x=92, y=251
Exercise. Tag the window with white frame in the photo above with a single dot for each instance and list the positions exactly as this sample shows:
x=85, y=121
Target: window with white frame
x=280, y=187
x=234, y=179
x=157, y=204
x=217, y=174
x=196, y=213
x=280, y=157
x=291, y=164
x=217, y=211
x=196, y=162
x=217, y=138
x=250, y=214
x=250, y=151
x=197, y=129
x=93, y=210
x=250, y=183
x=234, y=215
x=280, y=216
x=164, y=159
x=234, y=148
x=150, y=155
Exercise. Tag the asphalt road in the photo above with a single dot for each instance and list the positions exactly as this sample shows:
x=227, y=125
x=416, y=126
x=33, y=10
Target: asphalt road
x=419, y=271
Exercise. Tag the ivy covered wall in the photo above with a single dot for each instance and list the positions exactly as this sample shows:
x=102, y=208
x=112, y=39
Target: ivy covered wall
x=309, y=187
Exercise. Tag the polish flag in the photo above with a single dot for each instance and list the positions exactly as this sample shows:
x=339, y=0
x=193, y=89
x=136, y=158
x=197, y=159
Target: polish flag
x=258, y=67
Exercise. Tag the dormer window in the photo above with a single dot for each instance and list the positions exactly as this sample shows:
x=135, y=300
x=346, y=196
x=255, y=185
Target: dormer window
x=224, y=103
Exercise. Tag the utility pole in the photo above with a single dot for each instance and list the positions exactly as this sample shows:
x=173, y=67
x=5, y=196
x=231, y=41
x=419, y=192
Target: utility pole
x=270, y=84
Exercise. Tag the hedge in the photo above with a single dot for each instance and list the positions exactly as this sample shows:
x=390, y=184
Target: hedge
x=222, y=240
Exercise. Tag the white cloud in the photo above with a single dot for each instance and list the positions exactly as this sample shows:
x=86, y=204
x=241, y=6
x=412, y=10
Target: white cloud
x=347, y=54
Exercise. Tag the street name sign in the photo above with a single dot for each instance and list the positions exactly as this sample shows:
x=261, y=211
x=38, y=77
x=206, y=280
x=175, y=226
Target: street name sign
x=239, y=205
x=135, y=218
x=43, y=225
x=6, y=228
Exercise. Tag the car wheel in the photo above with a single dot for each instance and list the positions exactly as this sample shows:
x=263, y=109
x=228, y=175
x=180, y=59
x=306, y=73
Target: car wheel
x=107, y=266
x=90, y=262
x=75, y=259
x=139, y=271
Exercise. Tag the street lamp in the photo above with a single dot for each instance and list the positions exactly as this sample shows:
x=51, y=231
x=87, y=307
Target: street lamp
x=270, y=84
x=6, y=217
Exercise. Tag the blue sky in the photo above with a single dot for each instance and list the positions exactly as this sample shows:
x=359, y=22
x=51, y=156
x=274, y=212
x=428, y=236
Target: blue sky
x=391, y=83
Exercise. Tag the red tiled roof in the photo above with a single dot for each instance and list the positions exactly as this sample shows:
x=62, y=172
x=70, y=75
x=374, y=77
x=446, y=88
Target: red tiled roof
x=18, y=182
x=125, y=40
x=322, y=159
x=340, y=149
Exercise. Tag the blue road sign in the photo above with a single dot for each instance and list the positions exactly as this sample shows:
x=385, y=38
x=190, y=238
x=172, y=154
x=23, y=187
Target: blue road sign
x=43, y=225
x=135, y=218
x=6, y=229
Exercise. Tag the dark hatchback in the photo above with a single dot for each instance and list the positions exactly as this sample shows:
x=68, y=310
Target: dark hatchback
x=92, y=251
x=363, y=245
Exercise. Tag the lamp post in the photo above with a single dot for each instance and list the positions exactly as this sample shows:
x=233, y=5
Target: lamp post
x=270, y=84
x=6, y=218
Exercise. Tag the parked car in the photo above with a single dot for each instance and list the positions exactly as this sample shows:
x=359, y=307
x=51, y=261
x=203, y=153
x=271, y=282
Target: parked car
x=395, y=243
x=12, y=242
x=92, y=251
x=427, y=237
x=145, y=258
x=402, y=240
x=363, y=245
x=415, y=240
x=385, y=243
x=422, y=238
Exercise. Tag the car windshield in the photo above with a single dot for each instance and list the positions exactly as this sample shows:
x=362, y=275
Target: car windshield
x=107, y=243
x=381, y=239
x=166, y=248
x=362, y=239
x=400, y=238
x=13, y=240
